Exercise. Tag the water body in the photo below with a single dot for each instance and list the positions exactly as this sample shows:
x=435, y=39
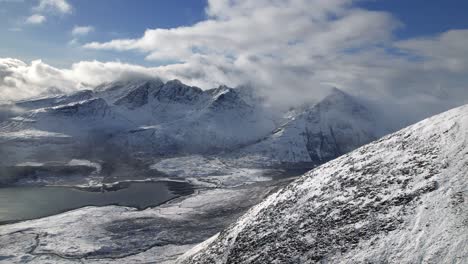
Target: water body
x=23, y=203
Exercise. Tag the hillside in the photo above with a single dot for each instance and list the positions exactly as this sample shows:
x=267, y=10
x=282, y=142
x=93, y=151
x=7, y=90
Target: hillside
x=401, y=199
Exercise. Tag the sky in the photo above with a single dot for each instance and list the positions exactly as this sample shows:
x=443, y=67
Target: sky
x=53, y=41
x=408, y=52
x=50, y=39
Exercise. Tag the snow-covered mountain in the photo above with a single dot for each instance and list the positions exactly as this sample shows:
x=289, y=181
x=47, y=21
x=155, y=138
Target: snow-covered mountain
x=318, y=133
x=189, y=120
x=150, y=118
x=401, y=199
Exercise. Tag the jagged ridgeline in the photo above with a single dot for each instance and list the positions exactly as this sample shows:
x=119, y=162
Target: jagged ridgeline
x=151, y=118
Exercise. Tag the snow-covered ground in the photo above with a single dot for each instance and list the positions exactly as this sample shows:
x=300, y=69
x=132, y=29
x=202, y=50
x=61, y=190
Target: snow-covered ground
x=211, y=171
x=401, y=199
x=115, y=234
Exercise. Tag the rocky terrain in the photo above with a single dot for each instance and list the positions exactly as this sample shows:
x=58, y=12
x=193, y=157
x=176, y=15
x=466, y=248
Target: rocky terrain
x=400, y=199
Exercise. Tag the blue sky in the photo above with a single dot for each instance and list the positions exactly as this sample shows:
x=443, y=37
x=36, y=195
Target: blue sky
x=111, y=19
x=49, y=41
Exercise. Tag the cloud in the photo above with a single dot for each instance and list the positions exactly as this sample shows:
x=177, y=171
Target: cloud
x=291, y=50
x=294, y=50
x=274, y=44
x=82, y=30
x=20, y=80
x=59, y=6
x=35, y=19
x=46, y=6
x=447, y=51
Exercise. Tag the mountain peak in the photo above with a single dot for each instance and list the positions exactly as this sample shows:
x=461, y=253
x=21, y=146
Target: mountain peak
x=174, y=82
x=342, y=103
x=336, y=94
x=176, y=91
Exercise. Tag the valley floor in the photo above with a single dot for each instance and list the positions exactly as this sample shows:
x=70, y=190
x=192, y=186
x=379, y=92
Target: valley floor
x=126, y=235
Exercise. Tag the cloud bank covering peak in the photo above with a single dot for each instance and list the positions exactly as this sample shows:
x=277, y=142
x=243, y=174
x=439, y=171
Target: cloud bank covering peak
x=292, y=50
x=19, y=80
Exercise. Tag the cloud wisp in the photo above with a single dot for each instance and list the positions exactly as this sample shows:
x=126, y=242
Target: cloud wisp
x=44, y=8
x=19, y=80
x=35, y=19
x=58, y=6
x=82, y=30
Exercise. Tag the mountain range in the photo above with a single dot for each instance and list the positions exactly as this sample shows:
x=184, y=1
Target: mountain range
x=147, y=119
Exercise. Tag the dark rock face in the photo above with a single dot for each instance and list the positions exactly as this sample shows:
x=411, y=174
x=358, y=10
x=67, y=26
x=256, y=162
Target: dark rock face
x=336, y=136
x=227, y=98
x=320, y=132
x=176, y=91
x=139, y=96
x=135, y=98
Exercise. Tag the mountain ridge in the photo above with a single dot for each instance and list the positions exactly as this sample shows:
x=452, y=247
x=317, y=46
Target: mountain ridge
x=148, y=119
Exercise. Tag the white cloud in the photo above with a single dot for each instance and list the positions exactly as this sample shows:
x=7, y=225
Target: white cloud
x=82, y=30
x=292, y=50
x=35, y=19
x=445, y=51
x=59, y=6
x=47, y=6
x=295, y=49
x=272, y=43
x=19, y=80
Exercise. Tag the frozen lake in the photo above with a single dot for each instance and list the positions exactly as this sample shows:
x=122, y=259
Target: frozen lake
x=23, y=203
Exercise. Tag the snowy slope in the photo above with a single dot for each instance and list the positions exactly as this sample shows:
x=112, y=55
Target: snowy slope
x=401, y=199
x=58, y=132
x=115, y=234
x=184, y=119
